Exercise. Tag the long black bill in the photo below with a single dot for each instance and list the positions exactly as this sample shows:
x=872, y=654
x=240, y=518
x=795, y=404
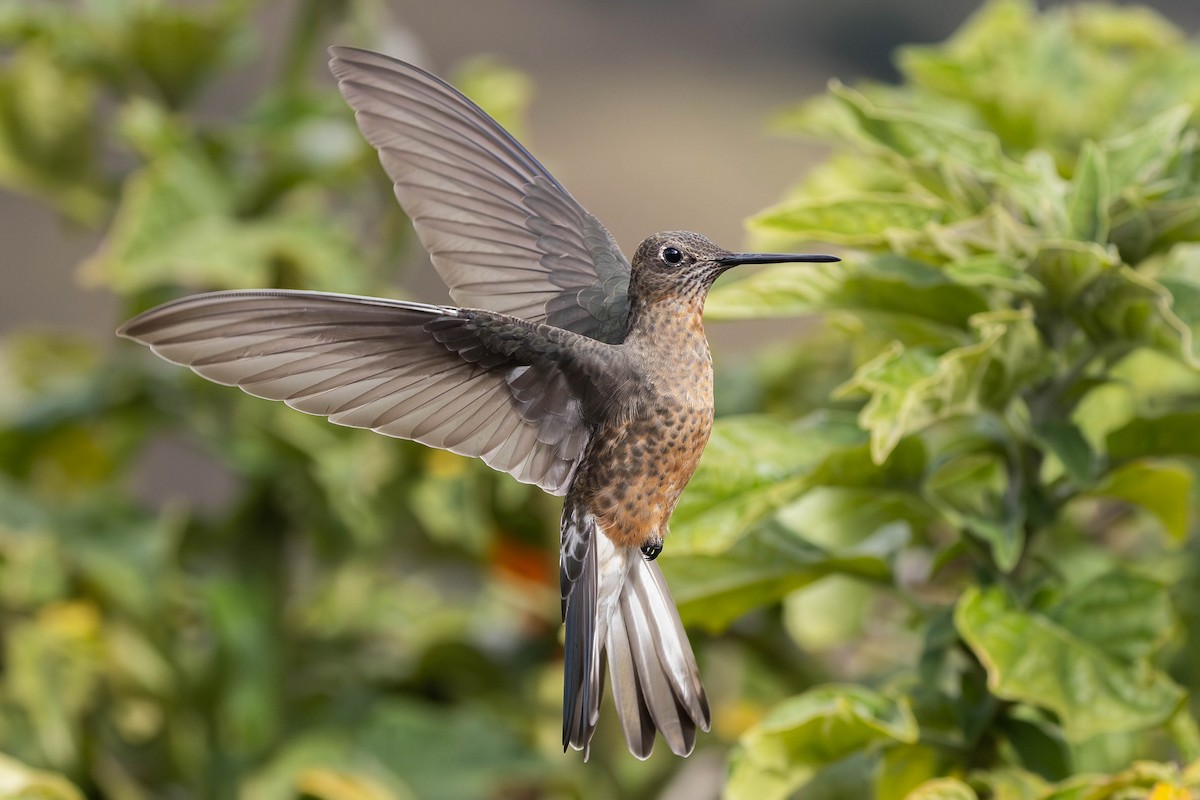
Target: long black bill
x=773, y=258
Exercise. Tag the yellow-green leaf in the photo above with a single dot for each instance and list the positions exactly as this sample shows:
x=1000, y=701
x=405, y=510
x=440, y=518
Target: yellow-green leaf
x=942, y=789
x=1032, y=658
x=813, y=730
x=1162, y=487
x=861, y=220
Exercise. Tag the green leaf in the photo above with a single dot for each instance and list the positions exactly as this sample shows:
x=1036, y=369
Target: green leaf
x=957, y=163
x=752, y=465
x=903, y=767
x=322, y=783
x=909, y=389
x=446, y=754
x=992, y=271
x=853, y=776
x=46, y=133
x=1067, y=442
x=1103, y=409
x=1185, y=735
x=973, y=491
x=1054, y=80
x=412, y=749
x=855, y=219
x=884, y=284
x=848, y=516
x=1172, y=221
x=1154, y=379
x=1128, y=308
x=813, y=730
x=1135, y=29
x=1032, y=658
x=852, y=467
x=1088, y=197
x=773, y=507
x=1010, y=783
x=767, y=563
x=920, y=136
x=1175, y=434
x=964, y=166
x=52, y=673
x=887, y=295
x=1125, y=616
x=177, y=207
x=1038, y=743
x=1161, y=487
x=896, y=380
x=176, y=50
x=874, y=521
x=1139, y=157
x=934, y=295
x=942, y=789
x=822, y=616
x=1185, y=301
x=1066, y=268
x=177, y=224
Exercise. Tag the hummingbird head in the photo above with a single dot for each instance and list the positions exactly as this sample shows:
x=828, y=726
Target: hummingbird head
x=685, y=264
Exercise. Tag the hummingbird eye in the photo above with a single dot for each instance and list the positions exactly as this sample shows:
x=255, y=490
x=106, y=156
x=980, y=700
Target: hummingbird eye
x=672, y=255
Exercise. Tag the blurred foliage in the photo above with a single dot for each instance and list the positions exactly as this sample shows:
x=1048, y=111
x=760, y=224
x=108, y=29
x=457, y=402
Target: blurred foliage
x=1000, y=569
x=945, y=549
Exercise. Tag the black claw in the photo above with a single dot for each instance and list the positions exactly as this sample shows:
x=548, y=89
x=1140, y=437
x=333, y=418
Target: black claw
x=652, y=548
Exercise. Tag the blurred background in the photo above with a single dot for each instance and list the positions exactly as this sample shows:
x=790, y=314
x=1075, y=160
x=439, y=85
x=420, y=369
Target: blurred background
x=240, y=601
x=654, y=114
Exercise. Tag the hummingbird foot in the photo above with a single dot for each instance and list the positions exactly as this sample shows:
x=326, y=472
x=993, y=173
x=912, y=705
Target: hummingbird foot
x=652, y=548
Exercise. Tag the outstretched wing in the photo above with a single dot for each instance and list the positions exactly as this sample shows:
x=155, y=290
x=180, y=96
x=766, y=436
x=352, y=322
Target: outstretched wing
x=409, y=370
x=502, y=232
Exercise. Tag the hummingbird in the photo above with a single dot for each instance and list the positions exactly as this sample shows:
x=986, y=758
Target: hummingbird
x=561, y=363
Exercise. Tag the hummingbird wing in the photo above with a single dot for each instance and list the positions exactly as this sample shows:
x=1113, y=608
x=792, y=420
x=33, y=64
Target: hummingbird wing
x=502, y=232
x=436, y=374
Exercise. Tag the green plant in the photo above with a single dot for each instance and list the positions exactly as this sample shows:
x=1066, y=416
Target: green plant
x=960, y=541
x=1011, y=532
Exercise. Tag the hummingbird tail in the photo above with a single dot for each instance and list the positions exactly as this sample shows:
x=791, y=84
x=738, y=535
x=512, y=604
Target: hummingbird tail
x=617, y=602
x=582, y=665
x=656, y=683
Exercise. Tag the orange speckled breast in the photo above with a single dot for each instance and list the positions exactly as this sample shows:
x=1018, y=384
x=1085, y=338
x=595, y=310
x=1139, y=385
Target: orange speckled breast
x=637, y=469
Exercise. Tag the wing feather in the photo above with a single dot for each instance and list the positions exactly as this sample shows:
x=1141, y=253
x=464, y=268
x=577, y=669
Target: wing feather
x=390, y=366
x=501, y=231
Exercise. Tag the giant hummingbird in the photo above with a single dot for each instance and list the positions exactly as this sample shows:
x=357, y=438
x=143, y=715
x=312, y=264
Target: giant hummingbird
x=561, y=363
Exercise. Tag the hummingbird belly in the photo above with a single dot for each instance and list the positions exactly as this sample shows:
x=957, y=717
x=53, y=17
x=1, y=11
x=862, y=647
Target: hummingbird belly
x=638, y=468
